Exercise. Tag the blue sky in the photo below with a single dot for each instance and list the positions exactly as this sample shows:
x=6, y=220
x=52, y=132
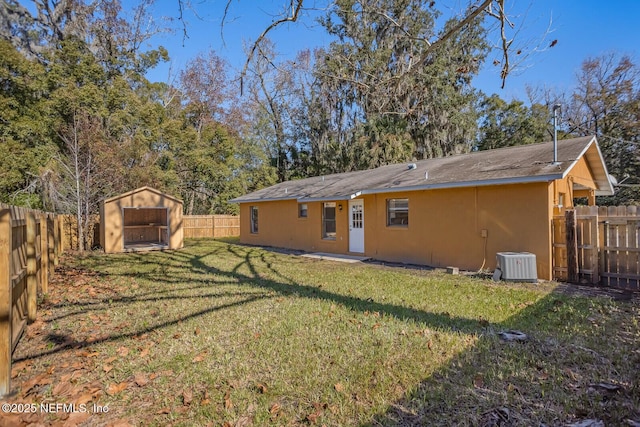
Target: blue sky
x=582, y=28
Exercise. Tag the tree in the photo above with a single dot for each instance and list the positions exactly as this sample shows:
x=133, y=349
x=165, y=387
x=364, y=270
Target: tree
x=506, y=124
x=25, y=128
x=401, y=110
x=492, y=9
x=606, y=103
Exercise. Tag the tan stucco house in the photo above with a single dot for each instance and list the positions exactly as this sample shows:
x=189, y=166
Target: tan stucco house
x=452, y=211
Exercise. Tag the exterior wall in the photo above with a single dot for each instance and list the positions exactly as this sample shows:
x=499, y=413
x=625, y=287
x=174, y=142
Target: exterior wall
x=445, y=226
x=279, y=226
x=579, y=174
x=111, y=228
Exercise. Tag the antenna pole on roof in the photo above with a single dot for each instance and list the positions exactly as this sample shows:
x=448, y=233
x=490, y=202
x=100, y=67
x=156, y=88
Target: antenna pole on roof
x=556, y=107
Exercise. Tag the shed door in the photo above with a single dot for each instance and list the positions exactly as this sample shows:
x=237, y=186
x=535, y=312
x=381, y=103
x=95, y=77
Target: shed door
x=356, y=226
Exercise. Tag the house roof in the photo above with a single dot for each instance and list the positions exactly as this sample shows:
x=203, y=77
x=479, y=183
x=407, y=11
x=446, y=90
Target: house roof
x=139, y=190
x=511, y=165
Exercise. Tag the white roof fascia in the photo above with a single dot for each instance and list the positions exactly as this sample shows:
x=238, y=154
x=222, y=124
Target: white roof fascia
x=608, y=191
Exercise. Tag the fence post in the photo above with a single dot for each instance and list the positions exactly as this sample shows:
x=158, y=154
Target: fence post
x=5, y=301
x=56, y=240
x=44, y=254
x=32, y=268
x=572, y=246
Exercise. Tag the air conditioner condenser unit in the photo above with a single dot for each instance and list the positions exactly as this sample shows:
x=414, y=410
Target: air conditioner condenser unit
x=517, y=266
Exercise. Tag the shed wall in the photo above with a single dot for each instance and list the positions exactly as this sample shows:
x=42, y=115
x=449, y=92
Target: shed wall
x=111, y=229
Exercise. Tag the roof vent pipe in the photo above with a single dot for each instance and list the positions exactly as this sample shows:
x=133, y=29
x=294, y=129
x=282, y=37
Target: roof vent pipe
x=556, y=107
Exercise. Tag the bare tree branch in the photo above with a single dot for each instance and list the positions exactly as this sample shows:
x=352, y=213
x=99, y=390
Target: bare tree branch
x=295, y=11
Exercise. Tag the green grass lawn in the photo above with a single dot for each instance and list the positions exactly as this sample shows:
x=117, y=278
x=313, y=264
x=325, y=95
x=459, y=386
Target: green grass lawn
x=223, y=334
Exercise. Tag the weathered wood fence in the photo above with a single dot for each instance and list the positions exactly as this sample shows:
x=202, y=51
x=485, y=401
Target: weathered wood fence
x=598, y=245
x=30, y=245
x=69, y=237
x=212, y=226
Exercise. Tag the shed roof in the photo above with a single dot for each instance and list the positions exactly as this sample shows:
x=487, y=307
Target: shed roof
x=511, y=165
x=139, y=190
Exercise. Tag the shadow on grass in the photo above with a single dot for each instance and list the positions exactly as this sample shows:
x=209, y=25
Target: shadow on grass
x=492, y=383
x=552, y=378
x=156, y=266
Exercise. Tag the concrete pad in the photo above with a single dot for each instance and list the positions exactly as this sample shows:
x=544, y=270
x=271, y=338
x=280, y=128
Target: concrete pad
x=336, y=257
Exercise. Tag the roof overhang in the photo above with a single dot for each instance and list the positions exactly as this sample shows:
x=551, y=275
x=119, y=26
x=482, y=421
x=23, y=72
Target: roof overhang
x=595, y=160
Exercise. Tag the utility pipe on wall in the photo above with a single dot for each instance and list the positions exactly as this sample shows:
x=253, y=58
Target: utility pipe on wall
x=556, y=107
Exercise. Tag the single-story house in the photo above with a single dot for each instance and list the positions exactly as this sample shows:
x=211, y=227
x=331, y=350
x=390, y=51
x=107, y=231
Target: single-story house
x=452, y=211
x=139, y=220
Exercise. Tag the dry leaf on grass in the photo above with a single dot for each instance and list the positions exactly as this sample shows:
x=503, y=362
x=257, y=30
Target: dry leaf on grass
x=228, y=404
x=140, y=379
x=144, y=352
x=200, y=357
x=107, y=368
x=122, y=351
x=120, y=423
x=274, y=409
x=114, y=389
x=187, y=397
x=478, y=381
x=339, y=387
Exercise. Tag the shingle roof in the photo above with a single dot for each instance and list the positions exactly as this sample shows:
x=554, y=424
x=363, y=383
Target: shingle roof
x=519, y=164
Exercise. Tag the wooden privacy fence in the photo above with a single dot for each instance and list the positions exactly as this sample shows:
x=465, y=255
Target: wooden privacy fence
x=29, y=248
x=69, y=236
x=213, y=226
x=598, y=245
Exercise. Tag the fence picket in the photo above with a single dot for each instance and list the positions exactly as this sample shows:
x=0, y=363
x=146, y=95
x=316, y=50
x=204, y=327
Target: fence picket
x=608, y=243
x=25, y=257
x=212, y=226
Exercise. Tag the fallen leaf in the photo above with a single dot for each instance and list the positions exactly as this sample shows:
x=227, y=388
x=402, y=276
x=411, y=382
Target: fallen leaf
x=313, y=417
x=62, y=389
x=120, y=423
x=176, y=336
x=478, y=381
x=164, y=411
x=140, y=379
x=274, y=409
x=228, y=404
x=187, y=397
x=114, y=389
x=200, y=357
x=376, y=326
x=122, y=351
x=144, y=352
x=261, y=388
x=197, y=331
x=83, y=399
x=107, y=368
x=339, y=387
x=76, y=418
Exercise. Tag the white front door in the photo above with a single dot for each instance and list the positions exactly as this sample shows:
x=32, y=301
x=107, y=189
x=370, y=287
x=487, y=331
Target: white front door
x=356, y=226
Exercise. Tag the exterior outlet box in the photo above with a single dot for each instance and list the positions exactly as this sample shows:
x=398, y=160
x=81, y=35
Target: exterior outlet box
x=484, y=233
x=517, y=266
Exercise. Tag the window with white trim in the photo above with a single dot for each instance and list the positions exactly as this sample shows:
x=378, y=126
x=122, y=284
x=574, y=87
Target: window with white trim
x=329, y=220
x=397, y=212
